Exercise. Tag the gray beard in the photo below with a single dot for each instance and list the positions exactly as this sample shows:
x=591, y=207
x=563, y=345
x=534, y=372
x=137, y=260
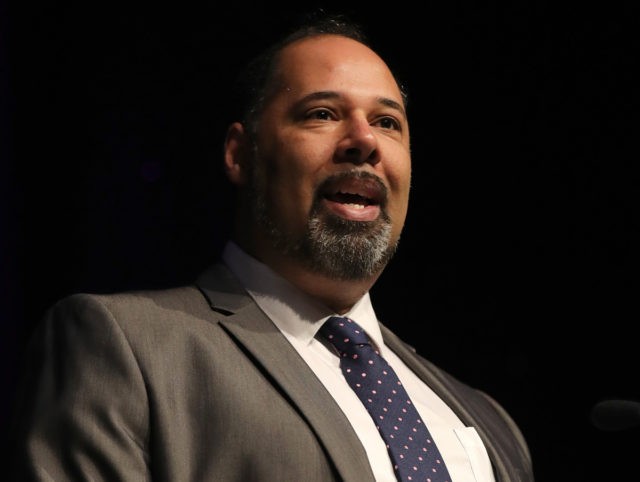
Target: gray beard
x=331, y=246
x=343, y=249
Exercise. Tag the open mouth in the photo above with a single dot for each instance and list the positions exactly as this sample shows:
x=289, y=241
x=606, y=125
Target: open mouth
x=361, y=188
x=353, y=199
x=358, y=196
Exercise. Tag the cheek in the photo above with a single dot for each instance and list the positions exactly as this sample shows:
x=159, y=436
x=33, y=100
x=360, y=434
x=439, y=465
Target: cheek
x=297, y=164
x=399, y=177
x=292, y=172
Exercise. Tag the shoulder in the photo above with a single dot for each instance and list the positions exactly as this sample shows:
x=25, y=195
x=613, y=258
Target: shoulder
x=135, y=316
x=130, y=305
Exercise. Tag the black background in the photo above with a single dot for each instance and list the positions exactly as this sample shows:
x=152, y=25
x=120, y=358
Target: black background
x=518, y=267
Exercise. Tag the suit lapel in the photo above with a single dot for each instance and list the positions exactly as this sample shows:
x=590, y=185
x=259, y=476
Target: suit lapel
x=251, y=328
x=447, y=392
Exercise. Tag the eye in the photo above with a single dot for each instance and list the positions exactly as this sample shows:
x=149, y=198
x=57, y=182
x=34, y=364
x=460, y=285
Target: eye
x=387, y=123
x=320, y=114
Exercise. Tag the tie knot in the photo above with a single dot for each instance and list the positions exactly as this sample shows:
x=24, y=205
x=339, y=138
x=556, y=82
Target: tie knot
x=344, y=333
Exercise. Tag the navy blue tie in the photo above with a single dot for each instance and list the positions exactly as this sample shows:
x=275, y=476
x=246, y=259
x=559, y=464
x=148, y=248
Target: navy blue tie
x=413, y=452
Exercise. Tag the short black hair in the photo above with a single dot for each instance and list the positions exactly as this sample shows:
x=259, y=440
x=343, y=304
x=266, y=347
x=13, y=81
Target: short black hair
x=253, y=81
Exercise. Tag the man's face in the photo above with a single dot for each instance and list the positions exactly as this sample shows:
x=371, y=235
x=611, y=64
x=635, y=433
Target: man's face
x=332, y=166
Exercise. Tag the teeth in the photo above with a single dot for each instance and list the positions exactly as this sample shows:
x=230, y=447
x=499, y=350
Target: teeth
x=354, y=200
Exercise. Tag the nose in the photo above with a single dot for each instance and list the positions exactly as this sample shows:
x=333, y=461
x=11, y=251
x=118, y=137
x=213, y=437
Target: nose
x=359, y=144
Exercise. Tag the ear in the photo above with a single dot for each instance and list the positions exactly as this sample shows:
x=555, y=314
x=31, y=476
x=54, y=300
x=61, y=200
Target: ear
x=237, y=153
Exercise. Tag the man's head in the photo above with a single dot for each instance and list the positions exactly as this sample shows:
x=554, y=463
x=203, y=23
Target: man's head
x=321, y=158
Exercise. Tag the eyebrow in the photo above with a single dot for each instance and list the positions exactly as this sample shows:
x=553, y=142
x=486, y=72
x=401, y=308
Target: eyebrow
x=331, y=94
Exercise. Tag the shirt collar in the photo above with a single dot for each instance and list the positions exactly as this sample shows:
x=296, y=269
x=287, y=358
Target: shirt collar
x=293, y=311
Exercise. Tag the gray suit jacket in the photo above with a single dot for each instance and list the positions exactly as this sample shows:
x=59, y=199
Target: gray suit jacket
x=197, y=384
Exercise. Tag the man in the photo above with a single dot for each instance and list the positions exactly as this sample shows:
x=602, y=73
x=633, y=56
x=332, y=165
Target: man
x=229, y=379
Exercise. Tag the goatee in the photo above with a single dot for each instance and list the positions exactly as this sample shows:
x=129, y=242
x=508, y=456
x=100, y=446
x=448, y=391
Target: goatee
x=335, y=247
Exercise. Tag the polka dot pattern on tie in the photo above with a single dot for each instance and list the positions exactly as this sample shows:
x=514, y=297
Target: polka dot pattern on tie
x=413, y=452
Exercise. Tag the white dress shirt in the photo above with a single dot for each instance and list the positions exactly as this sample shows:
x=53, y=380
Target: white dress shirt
x=299, y=317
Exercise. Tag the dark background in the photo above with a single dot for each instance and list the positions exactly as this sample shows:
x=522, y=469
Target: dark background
x=518, y=268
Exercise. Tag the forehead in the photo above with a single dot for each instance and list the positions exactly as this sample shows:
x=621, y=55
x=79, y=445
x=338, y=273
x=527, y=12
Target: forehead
x=332, y=62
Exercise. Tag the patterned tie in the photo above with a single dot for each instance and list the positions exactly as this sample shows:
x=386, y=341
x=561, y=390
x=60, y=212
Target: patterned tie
x=413, y=452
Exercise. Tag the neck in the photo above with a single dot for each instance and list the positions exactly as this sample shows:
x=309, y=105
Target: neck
x=338, y=295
